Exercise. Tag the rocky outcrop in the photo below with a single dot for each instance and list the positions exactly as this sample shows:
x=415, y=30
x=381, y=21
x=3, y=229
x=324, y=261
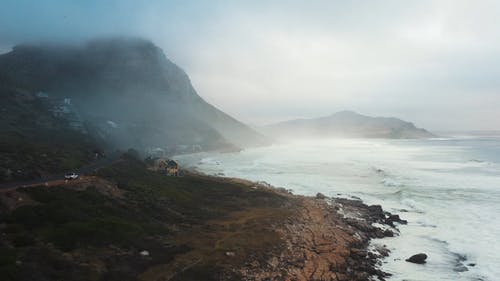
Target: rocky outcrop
x=320, y=196
x=391, y=219
x=326, y=241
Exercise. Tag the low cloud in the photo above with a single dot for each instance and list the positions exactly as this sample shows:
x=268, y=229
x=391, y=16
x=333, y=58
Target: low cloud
x=431, y=62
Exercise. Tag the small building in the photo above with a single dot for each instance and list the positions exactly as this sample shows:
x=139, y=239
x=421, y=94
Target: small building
x=98, y=153
x=172, y=168
x=42, y=95
x=168, y=166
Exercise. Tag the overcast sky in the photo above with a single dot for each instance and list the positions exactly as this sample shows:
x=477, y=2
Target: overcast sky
x=435, y=63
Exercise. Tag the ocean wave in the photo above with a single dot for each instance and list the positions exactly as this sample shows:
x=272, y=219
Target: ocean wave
x=413, y=205
x=446, y=189
x=390, y=182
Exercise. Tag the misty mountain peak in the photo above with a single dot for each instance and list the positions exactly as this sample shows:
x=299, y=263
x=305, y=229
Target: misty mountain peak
x=121, y=43
x=130, y=82
x=125, y=50
x=346, y=114
x=347, y=124
x=122, y=63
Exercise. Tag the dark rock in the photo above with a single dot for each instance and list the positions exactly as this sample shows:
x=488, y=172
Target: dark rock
x=418, y=258
x=320, y=195
x=388, y=233
x=376, y=212
x=375, y=209
x=471, y=264
x=394, y=218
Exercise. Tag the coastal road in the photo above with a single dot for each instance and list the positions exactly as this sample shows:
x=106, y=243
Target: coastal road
x=88, y=169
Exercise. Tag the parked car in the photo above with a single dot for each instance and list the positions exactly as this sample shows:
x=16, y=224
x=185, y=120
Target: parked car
x=71, y=176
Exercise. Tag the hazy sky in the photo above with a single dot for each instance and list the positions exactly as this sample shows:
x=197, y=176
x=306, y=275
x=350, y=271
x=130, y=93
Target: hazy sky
x=436, y=63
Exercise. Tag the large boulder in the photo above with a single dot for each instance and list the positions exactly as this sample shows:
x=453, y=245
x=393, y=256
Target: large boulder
x=418, y=258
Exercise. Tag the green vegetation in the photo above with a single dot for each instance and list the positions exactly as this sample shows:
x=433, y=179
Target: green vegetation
x=36, y=143
x=23, y=158
x=187, y=223
x=71, y=219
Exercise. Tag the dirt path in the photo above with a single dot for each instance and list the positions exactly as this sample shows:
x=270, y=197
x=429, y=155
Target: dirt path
x=13, y=198
x=88, y=169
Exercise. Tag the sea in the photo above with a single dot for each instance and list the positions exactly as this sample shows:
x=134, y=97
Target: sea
x=448, y=189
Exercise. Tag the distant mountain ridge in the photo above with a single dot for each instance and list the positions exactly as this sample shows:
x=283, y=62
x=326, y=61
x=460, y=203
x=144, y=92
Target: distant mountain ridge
x=346, y=124
x=124, y=91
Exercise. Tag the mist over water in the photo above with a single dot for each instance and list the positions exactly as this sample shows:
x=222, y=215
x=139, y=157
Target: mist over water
x=447, y=189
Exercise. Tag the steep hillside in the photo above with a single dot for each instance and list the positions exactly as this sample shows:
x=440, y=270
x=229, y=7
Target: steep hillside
x=35, y=142
x=347, y=124
x=124, y=92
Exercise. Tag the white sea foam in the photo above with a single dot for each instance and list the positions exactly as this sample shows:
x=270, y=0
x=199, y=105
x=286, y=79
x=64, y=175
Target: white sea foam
x=452, y=204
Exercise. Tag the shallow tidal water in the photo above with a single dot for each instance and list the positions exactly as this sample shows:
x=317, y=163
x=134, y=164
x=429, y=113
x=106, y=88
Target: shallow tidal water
x=448, y=189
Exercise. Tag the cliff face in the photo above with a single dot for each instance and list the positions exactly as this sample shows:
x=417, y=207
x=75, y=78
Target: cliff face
x=347, y=124
x=125, y=92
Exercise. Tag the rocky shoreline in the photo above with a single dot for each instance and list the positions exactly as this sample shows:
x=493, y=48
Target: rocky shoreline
x=326, y=239
x=130, y=223
x=322, y=244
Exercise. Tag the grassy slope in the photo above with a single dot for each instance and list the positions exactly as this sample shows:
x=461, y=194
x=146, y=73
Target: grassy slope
x=33, y=142
x=187, y=224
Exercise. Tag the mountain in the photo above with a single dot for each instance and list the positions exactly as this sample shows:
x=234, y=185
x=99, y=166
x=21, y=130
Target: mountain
x=123, y=92
x=346, y=124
